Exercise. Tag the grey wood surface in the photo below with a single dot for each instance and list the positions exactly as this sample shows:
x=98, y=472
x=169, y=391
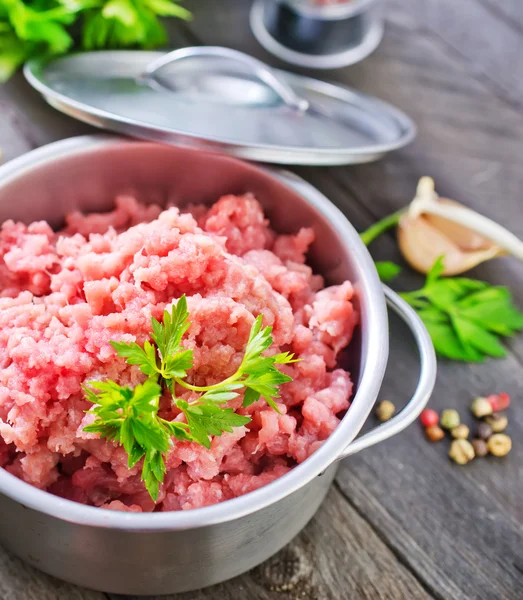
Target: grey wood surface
x=401, y=522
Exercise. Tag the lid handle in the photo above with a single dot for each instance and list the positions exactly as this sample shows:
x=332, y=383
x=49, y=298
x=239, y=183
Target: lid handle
x=257, y=67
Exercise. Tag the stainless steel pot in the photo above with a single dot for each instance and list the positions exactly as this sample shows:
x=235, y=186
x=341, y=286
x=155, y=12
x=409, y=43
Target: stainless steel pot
x=172, y=552
x=306, y=34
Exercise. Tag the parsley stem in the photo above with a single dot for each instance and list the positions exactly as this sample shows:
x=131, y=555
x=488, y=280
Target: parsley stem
x=374, y=231
x=208, y=388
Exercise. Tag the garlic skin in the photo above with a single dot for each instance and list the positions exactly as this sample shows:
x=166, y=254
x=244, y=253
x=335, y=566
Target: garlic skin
x=434, y=226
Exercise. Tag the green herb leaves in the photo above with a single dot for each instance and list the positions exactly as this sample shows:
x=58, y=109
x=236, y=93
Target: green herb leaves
x=387, y=270
x=33, y=28
x=464, y=316
x=257, y=373
x=144, y=357
x=41, y=27
x=174, y=361
x=130, y=416
x=206, y=418
x=129, y=23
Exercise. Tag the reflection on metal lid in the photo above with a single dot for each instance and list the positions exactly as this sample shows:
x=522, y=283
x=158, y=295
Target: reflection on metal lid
x=220, y=99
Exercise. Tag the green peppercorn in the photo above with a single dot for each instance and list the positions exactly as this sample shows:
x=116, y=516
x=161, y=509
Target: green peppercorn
x=461, y=451
x=480, y=447
x=484, y=431
x=499, y=444
x=497, y=421
x=481, y=407
x=461, y=432
x=449, y=418
x=385, y=410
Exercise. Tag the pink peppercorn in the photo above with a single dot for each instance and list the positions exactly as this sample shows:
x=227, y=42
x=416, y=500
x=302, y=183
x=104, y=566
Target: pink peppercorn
x=429, y=417
x=499, y=401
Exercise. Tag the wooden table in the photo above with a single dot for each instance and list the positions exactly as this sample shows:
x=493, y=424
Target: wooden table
x=401, y=522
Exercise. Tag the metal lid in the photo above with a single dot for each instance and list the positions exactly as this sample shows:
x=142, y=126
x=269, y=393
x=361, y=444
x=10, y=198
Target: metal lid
x=221, y=99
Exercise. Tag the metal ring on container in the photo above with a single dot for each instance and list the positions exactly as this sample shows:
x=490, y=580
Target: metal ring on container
x=424, y=388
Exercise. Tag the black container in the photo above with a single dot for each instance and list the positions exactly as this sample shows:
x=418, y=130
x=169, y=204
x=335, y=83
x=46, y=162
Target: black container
x=321, y=37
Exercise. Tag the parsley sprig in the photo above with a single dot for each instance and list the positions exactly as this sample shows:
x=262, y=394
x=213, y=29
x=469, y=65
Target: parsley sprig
x=130, y=416
x=465, y=317
x=32, y=28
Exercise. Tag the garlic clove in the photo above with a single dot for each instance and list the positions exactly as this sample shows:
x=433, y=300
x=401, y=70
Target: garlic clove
x=432, y=227
x=421, y=244
x=467, y=239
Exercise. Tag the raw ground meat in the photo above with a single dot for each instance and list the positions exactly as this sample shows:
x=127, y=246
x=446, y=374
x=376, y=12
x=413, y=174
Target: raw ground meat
x=64, y=296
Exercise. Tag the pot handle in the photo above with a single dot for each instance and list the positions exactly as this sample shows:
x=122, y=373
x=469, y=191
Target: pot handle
x=426, y=381
x=255, y=66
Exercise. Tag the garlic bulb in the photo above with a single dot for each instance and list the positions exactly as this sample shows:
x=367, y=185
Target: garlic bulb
x=434, y=226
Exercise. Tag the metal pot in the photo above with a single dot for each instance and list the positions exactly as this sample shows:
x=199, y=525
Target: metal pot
x=306, y=34
x=168, y=552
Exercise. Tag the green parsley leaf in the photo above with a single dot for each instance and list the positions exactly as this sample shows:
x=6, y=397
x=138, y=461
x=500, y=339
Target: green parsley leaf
x=284, y=358
x=130, y=416
x=209, y=419
x=250, y=397
x=178, y=364
x=168, y=335
x=153, y=472
x=267, y=384
x=387, y=270
x=472, y=335
x=135, y=455
x=178, y=430
x=259, y=341
x=134, y=354
x=223, y=393
x=465, y=316
x=43, y=27
x=436, y=270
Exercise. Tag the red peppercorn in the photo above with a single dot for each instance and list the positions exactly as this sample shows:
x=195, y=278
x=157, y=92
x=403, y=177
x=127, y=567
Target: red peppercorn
x=499, y=401
x=429, y=418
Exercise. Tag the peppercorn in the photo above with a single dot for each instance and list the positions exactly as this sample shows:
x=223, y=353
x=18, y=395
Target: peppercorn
x=498, y=422
x=385, y=410
x=499, y=444
x=484, y=431
x=499, y=401
x=449, y=418
x=480, y=447
x=461, y=451
x=481, y=407
x=429, y=417
x=434, y=433
x=461, y=432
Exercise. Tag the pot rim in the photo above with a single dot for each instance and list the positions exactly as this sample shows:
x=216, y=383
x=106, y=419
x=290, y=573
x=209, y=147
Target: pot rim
x=374, y=347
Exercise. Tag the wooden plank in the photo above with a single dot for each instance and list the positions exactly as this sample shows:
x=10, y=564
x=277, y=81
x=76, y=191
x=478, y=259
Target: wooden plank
x=338, y=556
x=509, y=10
x=20, y=581
x=27, y=122
x=492, y=46
x=458, y=528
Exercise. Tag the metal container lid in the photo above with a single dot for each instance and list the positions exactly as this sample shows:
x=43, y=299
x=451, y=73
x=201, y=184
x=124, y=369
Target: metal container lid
x=223, y=100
